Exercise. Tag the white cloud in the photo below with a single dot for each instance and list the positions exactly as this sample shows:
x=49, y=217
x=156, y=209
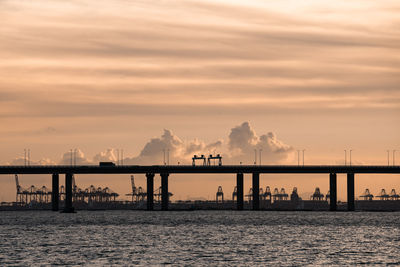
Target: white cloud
x=21, y=161
x=76, y=157
x=240, y=148
x=108, y=155
x=242, y=141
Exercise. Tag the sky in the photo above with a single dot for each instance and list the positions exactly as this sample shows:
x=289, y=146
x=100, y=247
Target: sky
x=199, y=77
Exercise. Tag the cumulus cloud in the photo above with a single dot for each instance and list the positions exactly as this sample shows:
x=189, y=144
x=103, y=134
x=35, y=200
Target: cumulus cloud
x=76, y=157
x=243, y=140
x=20, y=161
x=173, y=148
x=108, y=155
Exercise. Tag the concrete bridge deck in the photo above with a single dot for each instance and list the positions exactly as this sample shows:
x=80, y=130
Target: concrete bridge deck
x=165, y=171
x=126, y=169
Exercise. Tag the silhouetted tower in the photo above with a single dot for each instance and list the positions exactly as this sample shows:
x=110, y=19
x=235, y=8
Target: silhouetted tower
x=383, y=195
x=220, y=195
x=317, y=196
x=294, y=196
x=134, y=192
x=141, y=195
x=394, y=195
x=328, y=196
x=367, y=195
x=261, y=194
x=20, y=192
x=267, y=194
x=275, y=194
x=250, y=195
x=234, y=194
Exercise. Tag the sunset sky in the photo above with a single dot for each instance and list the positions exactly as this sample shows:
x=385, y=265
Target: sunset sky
x=200, y=77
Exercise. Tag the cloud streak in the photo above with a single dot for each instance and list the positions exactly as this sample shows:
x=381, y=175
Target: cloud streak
x=177, y=50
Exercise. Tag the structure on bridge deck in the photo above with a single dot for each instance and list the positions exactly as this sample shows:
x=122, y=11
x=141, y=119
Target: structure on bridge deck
x=208, y=161
x=202, y=158
x=214, y=159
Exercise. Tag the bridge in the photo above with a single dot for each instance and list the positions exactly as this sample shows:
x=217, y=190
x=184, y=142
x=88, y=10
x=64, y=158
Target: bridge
x=165, y=171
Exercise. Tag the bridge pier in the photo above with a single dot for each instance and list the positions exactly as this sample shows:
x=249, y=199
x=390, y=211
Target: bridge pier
x=350, y=191
x=332, y=191
x=68, y=194
x=55, y=195
x=164, y=191
x=256, y=191
x=150, y=191
x=239, y=187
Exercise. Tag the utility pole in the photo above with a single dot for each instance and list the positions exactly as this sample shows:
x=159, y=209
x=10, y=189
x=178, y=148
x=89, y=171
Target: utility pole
x=164, y=156
x=350, y=156
x=260, y=156
x=29, y=156
x=298, y=157
x=25, y=156
x=303, y=156
x=394, y=153
x=255, y=156
x=345, y=157
x=388, y=151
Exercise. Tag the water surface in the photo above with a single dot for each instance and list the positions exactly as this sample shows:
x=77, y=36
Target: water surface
x=199, y=237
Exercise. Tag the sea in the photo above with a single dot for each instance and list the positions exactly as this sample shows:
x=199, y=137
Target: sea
x=199, y=238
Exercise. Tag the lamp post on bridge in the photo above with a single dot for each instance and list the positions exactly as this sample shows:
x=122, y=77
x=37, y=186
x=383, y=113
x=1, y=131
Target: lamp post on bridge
x=350, y=156
x=298, y=157
x=388, y=157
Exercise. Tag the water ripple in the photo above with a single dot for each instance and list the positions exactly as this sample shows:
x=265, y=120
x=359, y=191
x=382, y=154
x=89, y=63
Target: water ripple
x=199, y=238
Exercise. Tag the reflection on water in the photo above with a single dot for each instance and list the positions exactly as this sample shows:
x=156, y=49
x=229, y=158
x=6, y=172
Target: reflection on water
x=199, y=237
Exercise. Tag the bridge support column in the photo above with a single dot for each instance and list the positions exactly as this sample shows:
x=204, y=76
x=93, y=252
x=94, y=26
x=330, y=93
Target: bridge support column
x=164, y=191
x=239, y=187
x=332, y=191
x=68, y=194
x=150, y=191
x=256, y=191
x=55, y=195
x=350, y=191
